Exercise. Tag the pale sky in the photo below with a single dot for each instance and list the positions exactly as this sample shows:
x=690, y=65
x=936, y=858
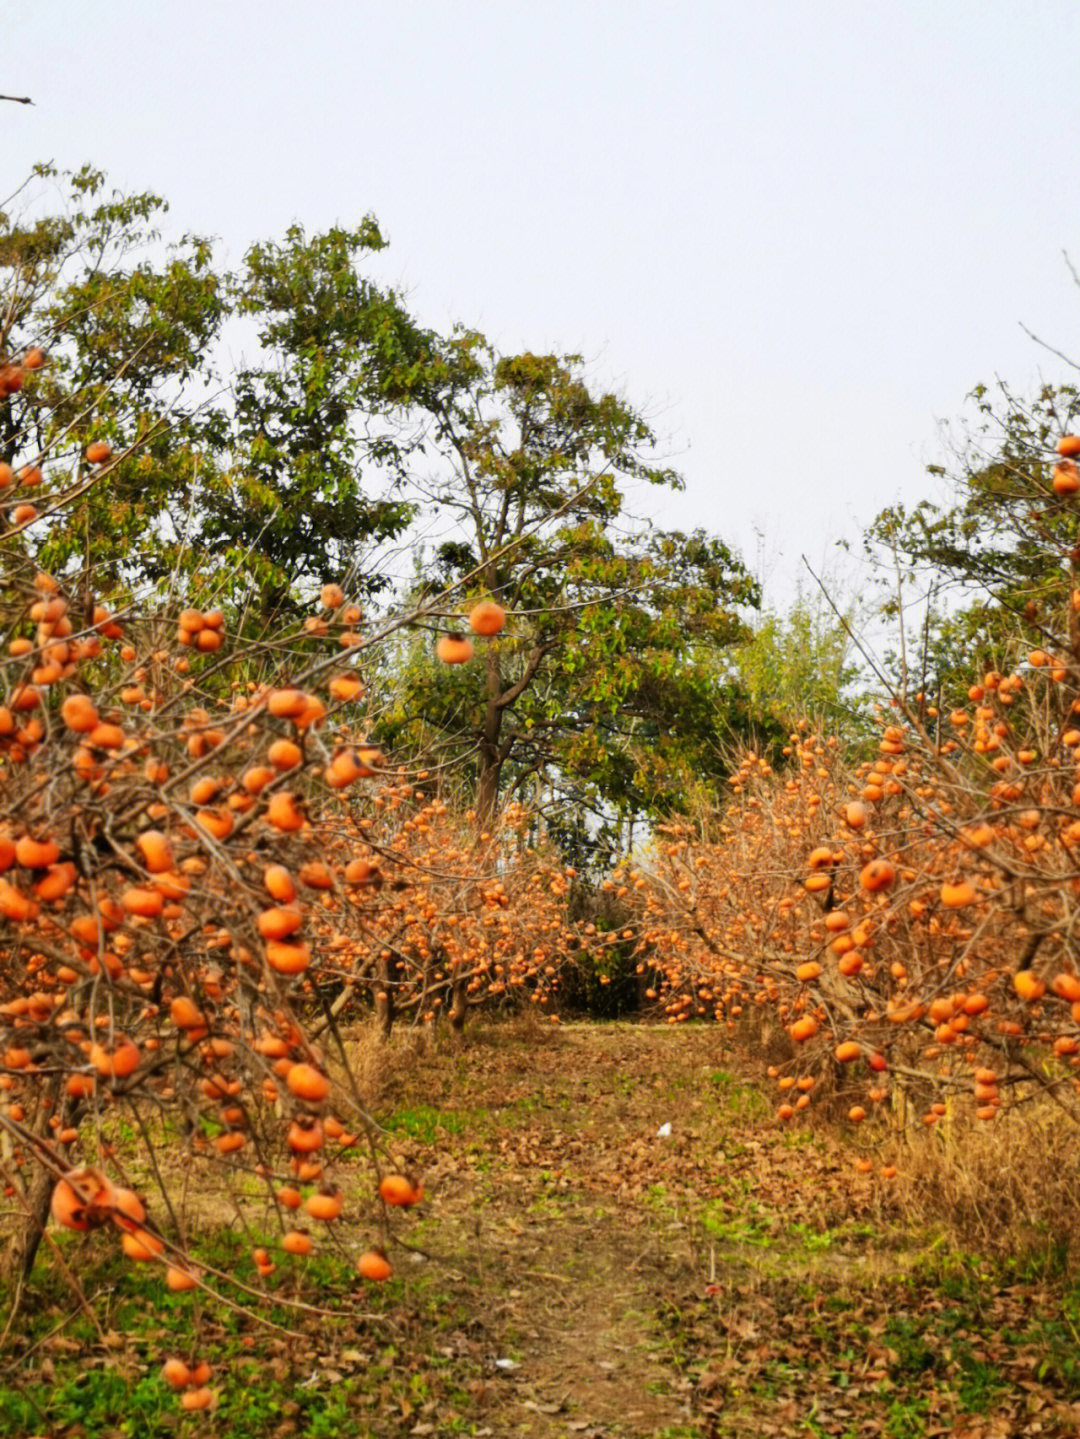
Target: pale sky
x=795, y=234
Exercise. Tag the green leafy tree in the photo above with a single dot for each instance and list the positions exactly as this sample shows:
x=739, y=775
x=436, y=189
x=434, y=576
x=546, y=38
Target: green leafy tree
x=803, y=664
x=601, y=690
x=254, y=485
x=348, y=423
x=127, y=324
x=323, y=406
x=994, y=567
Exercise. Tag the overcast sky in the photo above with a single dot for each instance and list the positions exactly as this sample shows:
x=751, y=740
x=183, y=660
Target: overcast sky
x=795, y=234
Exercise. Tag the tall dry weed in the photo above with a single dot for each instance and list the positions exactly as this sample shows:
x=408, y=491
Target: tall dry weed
x=1010, y=1188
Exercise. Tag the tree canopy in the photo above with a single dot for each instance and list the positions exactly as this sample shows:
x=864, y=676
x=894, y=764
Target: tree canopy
x=613, y=621
x=997, y=561
x=348, y=436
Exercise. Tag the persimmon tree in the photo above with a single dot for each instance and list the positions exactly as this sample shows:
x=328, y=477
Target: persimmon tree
x=910, y=922
x=468, y=919
x=203, y=858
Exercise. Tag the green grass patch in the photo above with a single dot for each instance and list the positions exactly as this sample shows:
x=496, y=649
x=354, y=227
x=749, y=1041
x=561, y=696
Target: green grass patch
x=426, y=1124
x=375, y=1365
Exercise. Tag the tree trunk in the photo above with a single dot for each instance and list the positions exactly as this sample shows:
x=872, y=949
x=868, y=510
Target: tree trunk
x=384, y=998
x=459, y=1006
x=491, y=760
x=27, y=1227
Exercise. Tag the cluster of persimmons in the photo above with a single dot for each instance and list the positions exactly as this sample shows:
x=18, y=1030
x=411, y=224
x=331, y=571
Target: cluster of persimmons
x=909, y=919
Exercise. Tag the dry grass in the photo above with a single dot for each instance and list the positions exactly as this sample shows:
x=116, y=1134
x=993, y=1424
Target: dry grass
x=1011, y=1187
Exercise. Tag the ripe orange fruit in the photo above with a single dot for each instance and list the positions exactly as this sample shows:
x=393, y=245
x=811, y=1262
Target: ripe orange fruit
x=305, y=1135
x=176, y=1373
x=118, y=1064
x=141, y=1245
x=279, y=922
x=185, y=1013
x=146, y=903
x=36, y=854
x=325, y=1205
x=346, y=687
x=286, y=704
x=58, y=880
x=959, y=894
x=1028, y=985
x=374, y=1265
x=155, y=851
x=877, y=875
x=98, y=451
x=285, y=754
x=316, y=875
x=74, y=1211
x=130, y=1210
x=454, y=649
x=313, y=713
x=400, y=1190
x=257, y=777
x=305, y=1081
x=283, y=813
x=194, y=1399
x=1066, y=478
x=297, y=1241
x=287, y=958
x=1066, y=986
x=343, y=769
x=363, y=872
x=279, y=883
x=219, y=823
x=79, y=714
x=487, y=618
x=178, y=1280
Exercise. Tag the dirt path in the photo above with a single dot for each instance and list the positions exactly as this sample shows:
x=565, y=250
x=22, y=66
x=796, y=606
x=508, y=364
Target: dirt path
x=577, y=1217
